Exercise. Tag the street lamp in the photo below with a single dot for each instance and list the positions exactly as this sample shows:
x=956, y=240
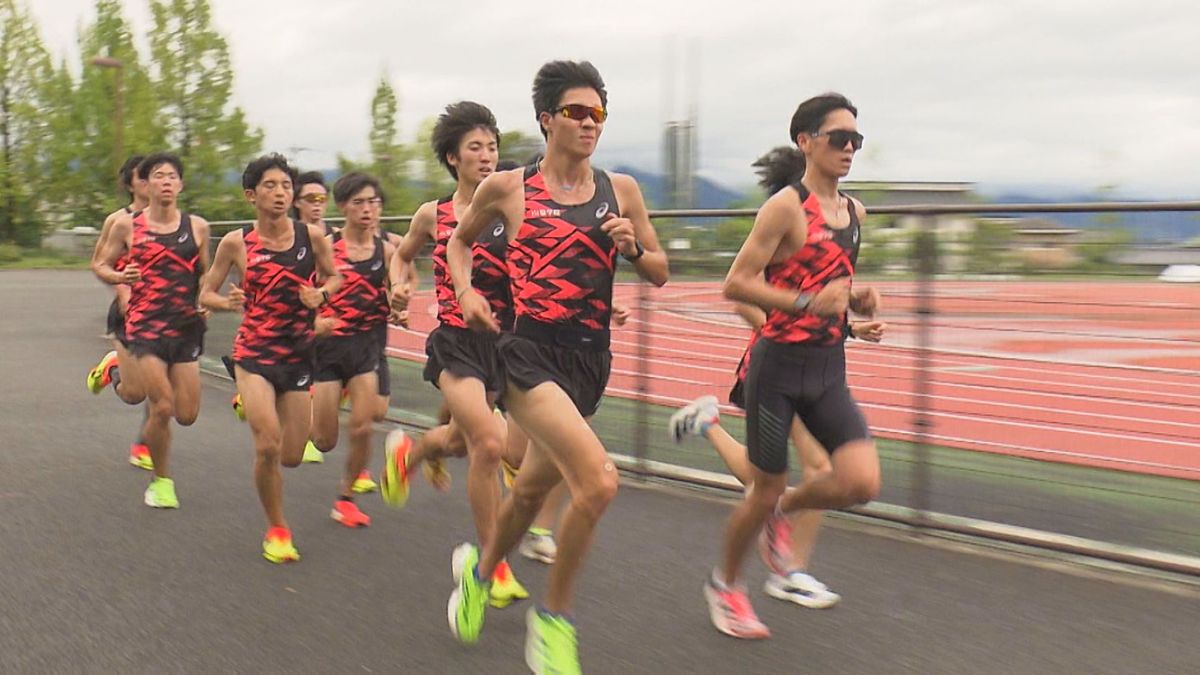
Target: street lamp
x=118, y=111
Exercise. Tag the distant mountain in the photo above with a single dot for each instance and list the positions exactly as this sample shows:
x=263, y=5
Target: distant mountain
x=1147, y=227
x=709, y=195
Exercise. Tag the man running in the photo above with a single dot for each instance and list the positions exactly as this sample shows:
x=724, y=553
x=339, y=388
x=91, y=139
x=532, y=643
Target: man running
x=565, y=222
x=348, y=358
x=273, y=349
x=796, y=265
x=108, y=370
x=166, y=254
x=462, y=363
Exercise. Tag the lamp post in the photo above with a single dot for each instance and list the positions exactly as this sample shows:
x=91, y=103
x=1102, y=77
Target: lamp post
x=118, y=111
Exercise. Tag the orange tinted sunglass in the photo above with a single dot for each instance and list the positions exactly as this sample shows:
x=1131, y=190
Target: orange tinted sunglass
x=315, y=198
x=578, y=111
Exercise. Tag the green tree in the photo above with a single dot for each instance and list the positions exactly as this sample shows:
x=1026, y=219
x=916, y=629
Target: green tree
x=193, y=86
x=389, y=159
x=66, y=182
x=25, y=70
x=519, y=146
x=435, y=180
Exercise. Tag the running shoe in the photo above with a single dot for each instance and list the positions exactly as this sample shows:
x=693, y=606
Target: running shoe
x=551, y=643
x=277, y=546
x=731, y=613
x=101, y=376
x=436, y=474
x=694, y=418
x=510, y=473
x=393, y=482
x=312, y=455
x=239, y=408
x=775, y=544
x=161, y=494
x=505, y=588
x=539, y=545
x=363, y=484
x=347, y=513
x=469, y=601
x=139, y=456
x=801, y=588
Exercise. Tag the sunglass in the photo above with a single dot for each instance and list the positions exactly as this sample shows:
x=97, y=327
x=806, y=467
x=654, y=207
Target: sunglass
x=372, y=201
x=578, y=111
x=838, y=138
x=315, y=198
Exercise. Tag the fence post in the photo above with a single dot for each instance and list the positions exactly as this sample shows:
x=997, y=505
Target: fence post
x=641, y=439
x=925, y=262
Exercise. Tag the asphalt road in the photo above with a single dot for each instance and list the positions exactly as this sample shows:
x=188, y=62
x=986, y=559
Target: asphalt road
x=91, y=580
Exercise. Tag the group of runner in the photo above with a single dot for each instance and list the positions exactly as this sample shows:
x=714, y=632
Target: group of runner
x=523, y=262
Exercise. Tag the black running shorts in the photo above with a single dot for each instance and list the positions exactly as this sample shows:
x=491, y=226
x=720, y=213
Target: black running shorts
x=340, y=358
x=801, y=380
x=115, y=322
x=464, y=353
x=284, y=377
x=186, y=348
x=579, y=362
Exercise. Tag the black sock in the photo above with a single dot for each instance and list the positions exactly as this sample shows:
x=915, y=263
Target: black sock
x=114, y=374
x=346, y=499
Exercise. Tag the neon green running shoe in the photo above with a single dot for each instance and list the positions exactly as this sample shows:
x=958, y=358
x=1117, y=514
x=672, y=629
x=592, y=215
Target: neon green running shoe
x=469, y=601
x=363, y=483
x=239, y=407
x=161, y=494
x=393, y=481
x=101, y=376
x=312, y=455
x=278, y=547
x=505, y=588
x=551, y=645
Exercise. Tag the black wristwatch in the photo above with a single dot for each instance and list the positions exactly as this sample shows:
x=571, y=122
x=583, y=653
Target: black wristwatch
x=325, y=294
x=641, y=251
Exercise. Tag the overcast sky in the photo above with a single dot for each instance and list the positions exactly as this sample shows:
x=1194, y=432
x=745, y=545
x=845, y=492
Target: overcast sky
x=1048, y=92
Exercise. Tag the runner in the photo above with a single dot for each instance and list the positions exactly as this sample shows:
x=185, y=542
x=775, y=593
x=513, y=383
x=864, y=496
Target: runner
x=348, y=357
x=796, y=265
x=566, y=222
x=462, y=363
x=108, y=370
x=166, y=255
x=273, y=349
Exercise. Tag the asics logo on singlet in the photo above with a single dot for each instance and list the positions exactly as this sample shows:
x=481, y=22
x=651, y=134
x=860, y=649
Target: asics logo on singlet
x=260, y=258
x=854, y=236
x=602, y=211
x=300, y=255
x=498, y=231
x=195, y=351
x=183, y=237
x=377, y=265
x=303, y=381
x=543, y=213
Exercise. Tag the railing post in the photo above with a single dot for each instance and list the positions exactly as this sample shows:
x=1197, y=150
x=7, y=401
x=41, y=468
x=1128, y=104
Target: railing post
x=925, y=263
x=641, y=439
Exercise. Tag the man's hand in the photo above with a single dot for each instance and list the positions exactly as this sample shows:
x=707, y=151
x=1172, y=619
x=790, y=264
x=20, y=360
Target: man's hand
x=400, y=296
x=398, y=317
x=833, y=300
x=622, y=233
x=477, y=312
x=871, y=331
x=131, y=273
x=323, y=326
x=311, y=296
x=620, y=314
x=864, y=301
x=235, y=299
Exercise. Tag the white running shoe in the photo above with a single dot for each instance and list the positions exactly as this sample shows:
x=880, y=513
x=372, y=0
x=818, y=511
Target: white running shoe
x=539, y=546
x=801, y=588
x=691, y=418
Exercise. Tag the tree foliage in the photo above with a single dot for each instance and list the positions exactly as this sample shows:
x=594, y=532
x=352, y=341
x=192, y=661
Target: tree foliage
x=25, y=76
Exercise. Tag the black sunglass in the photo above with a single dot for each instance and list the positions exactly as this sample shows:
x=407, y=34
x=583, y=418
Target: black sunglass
x=578, y=111
x=838, y=138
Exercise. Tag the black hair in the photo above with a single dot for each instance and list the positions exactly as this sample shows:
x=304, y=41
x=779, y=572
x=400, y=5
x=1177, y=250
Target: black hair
x=157, y=159
x=779, y=168
x=352, y=183
x=506, y=165
x=306, y=178
x=810, y=115
x=457, y=121
x=253, y=174
x=127, y=171
x=554, y=79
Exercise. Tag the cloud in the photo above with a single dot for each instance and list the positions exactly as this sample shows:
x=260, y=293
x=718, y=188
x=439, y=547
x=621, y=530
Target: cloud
x=1067, y=92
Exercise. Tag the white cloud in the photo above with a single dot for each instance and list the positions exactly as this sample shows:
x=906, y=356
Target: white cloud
x=1027, y=92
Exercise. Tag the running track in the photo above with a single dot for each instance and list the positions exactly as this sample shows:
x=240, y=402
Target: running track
x=1099, y=374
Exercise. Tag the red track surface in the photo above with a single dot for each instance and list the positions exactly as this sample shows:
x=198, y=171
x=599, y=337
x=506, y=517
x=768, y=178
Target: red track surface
x=1101, y=374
